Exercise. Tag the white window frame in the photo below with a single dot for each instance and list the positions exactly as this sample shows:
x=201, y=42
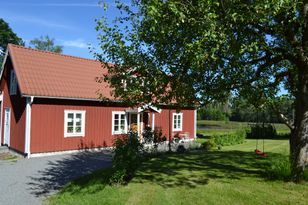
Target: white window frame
x=181, y=124
x=13, y=83
x=125, y=123
x=83, y=123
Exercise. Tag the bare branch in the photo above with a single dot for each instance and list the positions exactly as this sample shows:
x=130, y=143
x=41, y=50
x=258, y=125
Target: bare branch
x=289, y=123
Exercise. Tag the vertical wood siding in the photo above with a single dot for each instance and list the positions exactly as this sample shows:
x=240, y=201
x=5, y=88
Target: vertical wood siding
x=47, y=125
x=18, y=113
x=162, y=121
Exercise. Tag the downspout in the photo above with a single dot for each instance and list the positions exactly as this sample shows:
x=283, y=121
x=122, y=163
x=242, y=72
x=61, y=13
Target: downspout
x=29, y=101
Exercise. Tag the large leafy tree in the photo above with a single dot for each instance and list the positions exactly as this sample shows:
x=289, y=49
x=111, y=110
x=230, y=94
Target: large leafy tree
x=46, y=43
x=188, y=51
x=7, y=36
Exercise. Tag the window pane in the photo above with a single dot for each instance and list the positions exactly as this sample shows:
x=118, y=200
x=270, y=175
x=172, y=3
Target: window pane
x=70, y=129
x=70, y=119
x=116, y=122
x=78, y=129
x=116, y=116
x=122, y=117
x=116, y=127
x=78, y=119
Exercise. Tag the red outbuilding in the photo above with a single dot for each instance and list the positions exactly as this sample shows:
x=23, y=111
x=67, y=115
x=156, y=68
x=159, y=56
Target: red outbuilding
x=49, y=103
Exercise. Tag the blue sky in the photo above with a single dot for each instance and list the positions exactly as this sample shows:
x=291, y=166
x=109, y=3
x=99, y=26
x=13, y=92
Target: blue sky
x=70, y=22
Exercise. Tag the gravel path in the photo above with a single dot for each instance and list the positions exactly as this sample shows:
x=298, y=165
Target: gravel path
x=29, y=181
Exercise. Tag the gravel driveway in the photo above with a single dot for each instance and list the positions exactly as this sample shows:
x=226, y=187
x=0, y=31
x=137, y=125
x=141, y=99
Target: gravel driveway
x=29, y=181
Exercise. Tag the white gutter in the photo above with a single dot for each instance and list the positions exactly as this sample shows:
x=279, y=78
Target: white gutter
x=29, y=101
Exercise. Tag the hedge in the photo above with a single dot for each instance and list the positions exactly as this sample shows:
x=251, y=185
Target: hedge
x=229, y=138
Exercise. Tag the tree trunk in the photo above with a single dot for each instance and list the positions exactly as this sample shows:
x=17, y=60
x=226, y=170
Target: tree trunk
x=299, y=138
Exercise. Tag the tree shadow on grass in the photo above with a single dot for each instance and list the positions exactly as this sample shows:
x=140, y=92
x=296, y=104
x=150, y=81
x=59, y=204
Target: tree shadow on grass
x=187, y=170
x=194, y=169
x=58, y=173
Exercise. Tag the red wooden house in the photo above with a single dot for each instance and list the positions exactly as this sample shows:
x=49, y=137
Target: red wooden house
x=49, y=103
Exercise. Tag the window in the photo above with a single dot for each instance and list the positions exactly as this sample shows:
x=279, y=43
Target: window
x=13, y=83
x=177, y=121
x=119, y=123
x=74, y=123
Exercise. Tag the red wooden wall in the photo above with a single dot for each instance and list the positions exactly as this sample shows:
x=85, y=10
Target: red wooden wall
x=18, y=113
x=162, y=120
x=47, y=124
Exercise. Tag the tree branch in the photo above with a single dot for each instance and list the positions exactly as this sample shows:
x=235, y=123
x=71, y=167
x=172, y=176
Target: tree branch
x=289, y=123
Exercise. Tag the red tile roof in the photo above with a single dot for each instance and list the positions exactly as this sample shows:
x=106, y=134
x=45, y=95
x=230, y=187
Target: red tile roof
x=47, y=74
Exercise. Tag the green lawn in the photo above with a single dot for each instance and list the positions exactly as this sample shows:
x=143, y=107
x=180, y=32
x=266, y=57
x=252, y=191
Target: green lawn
x=210, y=127
x=233, y=175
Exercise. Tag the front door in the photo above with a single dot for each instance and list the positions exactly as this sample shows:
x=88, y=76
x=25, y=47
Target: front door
x=7, y=124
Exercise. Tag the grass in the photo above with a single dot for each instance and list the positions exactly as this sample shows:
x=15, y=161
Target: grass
x=210, y=127
x=234, y=175
x=8, y=156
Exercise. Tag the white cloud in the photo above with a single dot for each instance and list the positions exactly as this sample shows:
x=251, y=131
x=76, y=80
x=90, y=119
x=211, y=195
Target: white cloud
x=68, y=5
x=78, y=43
x=54, y=4
x=33, y=20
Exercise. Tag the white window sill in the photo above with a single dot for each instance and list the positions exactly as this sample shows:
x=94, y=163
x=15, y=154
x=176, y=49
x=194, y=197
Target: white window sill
x=74, y=135
x=119, y=133
x=177, y=130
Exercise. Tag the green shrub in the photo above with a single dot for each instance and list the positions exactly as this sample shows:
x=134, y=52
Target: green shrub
x=209, y=145
x=279, y=169
x=127, y=156
x=229, y=138
x=263, y=131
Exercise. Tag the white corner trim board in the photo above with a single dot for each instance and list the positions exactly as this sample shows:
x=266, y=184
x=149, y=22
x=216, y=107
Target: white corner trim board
x=29, y=102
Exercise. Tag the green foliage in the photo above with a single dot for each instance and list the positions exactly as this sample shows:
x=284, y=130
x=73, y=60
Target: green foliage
x=204, y=50
x=209, y=144
x=46, y=43
x=262, y=131
x=126, y=159
x=211, y=113
x=229, y=138
x=152, y=136
x=7, y=36
x=196, y=49
x=279, y=169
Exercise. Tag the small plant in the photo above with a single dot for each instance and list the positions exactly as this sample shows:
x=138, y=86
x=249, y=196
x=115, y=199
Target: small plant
x=126, y=159
x=148, y=135
x=279, y=169
x=181, y=149
x=209, y=145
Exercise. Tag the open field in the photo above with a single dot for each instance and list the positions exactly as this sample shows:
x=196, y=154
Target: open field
x=234, y=175
x=210, y=127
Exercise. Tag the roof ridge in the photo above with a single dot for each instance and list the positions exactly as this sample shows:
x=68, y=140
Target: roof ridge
x=53, y=53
